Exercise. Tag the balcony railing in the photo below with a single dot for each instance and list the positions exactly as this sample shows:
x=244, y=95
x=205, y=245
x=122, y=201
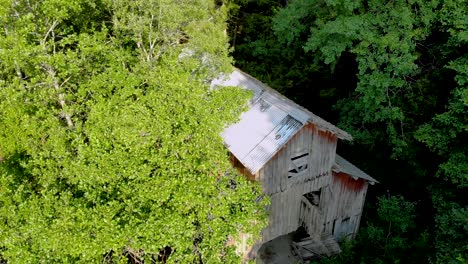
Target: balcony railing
x=311, y=218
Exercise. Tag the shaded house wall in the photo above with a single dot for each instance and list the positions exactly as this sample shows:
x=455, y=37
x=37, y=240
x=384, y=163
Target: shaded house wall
x=343, y=212
x=292, y=152
x=288, y=179
x=302, y=166
x=310, y=153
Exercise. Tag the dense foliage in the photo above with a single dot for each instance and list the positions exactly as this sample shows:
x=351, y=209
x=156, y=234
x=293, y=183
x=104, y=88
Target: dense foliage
x=395, y=75
x=110, y=146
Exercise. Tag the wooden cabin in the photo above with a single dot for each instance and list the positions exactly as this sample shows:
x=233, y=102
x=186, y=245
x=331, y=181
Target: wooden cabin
x=292, y=152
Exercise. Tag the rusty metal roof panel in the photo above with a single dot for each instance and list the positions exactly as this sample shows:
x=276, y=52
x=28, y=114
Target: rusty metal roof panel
x=271, y=144
x=267, y=126
x=295, y=112
x=254, y=125
x=261, y=90
x=342, y=165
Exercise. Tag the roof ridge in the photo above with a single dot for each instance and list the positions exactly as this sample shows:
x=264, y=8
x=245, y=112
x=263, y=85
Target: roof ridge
x=343, y=165
x=317, y=120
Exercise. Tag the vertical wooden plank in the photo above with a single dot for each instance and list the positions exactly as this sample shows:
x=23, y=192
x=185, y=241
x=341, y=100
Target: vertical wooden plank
x=337, y=202
x=270, y=175
x=278, y=215
x=282, y=169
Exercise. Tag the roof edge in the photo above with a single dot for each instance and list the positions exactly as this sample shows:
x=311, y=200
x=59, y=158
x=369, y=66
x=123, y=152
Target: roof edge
x=314, y=119
x=342, y=165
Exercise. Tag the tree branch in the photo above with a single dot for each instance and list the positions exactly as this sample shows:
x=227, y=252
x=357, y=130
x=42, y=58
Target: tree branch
x=61, y=98
x=54, y=24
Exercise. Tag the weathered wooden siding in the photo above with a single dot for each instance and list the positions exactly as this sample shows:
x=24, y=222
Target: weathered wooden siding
x=343, y=212
x=323, y=150
x=310, y=217
x=287, y=193
x=341, y=197
x=320, y=147
x=285, y=208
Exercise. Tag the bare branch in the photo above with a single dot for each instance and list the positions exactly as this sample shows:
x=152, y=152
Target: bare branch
x=54, y=24
x=61, y=98
x=18, y=72
x=64, y=82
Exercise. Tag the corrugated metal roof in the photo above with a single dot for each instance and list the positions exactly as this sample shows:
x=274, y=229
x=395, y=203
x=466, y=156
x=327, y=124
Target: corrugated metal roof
x=271, y=144
x=254, y=126
x=298, y=114
x=342, y=165
x=259, y=134
x=269, y=123
x=241, y=79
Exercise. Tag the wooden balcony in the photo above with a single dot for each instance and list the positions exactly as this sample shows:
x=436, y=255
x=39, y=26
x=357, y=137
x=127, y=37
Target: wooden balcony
x=317, y=244
x=310, y=217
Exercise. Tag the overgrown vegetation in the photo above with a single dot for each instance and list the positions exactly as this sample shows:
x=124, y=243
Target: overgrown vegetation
x=109, y=135
x=395, y=75
x=110, y=147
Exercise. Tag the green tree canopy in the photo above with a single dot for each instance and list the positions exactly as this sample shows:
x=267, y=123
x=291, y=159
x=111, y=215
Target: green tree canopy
x=110, y=142
x=394, y=75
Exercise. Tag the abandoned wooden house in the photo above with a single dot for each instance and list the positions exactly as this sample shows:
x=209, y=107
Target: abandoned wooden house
x=292, y=152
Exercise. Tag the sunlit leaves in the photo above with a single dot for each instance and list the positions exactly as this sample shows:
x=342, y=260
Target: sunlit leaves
x=143, y=165
x=395, y=74
x=381, y=36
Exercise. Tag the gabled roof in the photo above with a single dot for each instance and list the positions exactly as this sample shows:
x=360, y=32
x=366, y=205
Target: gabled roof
x=342, y=165
x=270, y=122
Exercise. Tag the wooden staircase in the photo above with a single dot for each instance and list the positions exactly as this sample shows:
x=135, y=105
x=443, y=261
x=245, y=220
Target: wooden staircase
x=316, y=244
x=314, y=247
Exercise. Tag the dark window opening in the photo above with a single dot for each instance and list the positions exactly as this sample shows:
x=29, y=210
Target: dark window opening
x=298, y=165
x=333, y=228
x=300, y=156
x=301, y=233
x=314, y=197
x=299, y=169
x=342, y=230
